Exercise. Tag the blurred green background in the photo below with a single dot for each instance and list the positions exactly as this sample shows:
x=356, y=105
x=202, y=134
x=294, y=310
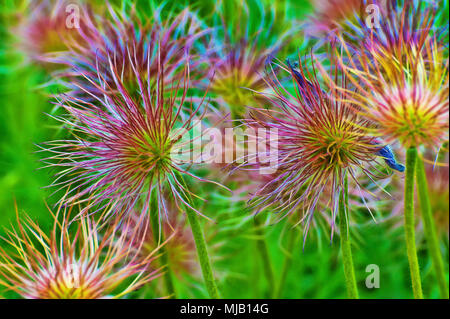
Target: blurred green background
x=316, y=270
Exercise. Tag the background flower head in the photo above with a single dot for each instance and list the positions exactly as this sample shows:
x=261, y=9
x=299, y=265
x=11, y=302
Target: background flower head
x=51, y=28
x=240, y=47
x=124, y=41
x=437, y=172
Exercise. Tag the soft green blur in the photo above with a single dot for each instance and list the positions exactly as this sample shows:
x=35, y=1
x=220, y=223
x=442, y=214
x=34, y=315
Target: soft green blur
x=316, y=270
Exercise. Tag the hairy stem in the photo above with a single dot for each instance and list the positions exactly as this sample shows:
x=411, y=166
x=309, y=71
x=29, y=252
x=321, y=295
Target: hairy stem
x=202, y=252
x=264, y=253
x=429, y=227
x=292, y=239
x=346, y=248
x=200, y=245
x=158, y=237
x=411, y=157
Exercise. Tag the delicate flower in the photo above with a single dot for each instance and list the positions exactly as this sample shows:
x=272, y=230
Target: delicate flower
x=127, y=146
x=320, y=141
x=76, y=261
x=401, y=73
x=407, y=102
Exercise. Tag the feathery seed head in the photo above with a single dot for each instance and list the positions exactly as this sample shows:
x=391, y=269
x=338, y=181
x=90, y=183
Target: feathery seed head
x=238, y=60
x=126, y=146
x=76, y=261
x=128, y=45
x=407, y=102
x=235, y=74
x=320, y=141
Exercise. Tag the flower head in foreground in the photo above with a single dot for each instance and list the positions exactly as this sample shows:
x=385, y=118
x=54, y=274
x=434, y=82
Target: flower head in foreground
x=407, y=102
x=76, y=261
x=126, y=147
x=401, y=72
x=320, y=142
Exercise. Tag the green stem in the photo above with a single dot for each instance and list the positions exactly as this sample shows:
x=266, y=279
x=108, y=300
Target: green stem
x=202, y=254
x=346, y=248
x=429, y=227
x=200, y=245
x=411, y=157
x=158, y=237
x=292, y=239
x=264, y=253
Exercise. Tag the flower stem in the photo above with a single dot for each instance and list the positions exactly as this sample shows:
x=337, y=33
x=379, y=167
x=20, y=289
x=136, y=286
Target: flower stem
x=429, y=227
x=202, y=254
x=292, y=239
x=264, y=253
x=346, y=248
x=158, y=237
x=200, y=245
x=411, y=157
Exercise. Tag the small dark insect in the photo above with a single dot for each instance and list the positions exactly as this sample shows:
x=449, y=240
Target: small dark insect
x=389, y=158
